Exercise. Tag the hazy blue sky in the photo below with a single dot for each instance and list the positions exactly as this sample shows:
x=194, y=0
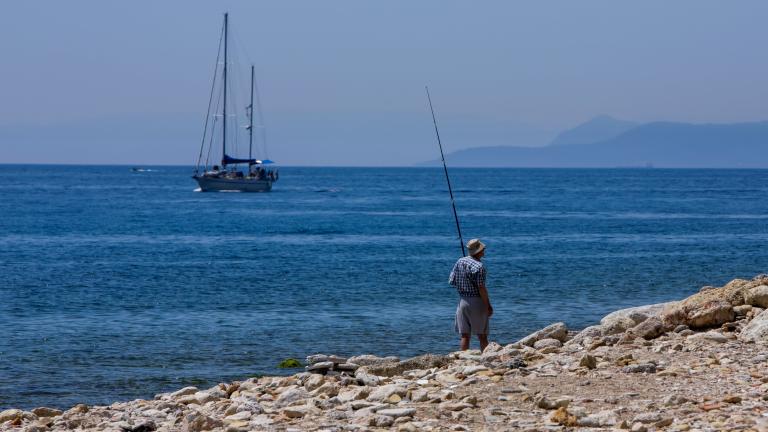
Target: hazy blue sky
x=343, y=81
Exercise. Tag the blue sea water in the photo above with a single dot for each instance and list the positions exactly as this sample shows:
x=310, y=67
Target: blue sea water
x=117, y=285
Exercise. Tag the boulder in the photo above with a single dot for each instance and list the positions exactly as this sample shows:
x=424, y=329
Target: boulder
x=10, y=414
x=371, y=360
x=588, y=361
x=710, y=336
x=757, y=296
x=624, y=319
x=586, y=335
x=291, y=396
x=547, y=343
x=426, y=361
x=713, y=307
x=649, y=329
x=383, y=393
x=47, y=412
x=553, y=331
x=601, y=419
x=756, y=330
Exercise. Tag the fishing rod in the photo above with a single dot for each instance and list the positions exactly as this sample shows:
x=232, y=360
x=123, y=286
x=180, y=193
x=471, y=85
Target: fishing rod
x=447, y=179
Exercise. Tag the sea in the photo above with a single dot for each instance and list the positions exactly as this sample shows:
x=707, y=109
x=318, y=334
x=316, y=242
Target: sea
x=116, y=284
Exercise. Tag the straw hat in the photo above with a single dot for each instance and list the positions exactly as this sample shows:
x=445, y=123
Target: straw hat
x=475, y=246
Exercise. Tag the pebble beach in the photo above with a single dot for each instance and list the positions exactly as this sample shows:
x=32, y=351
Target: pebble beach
x=698, y=364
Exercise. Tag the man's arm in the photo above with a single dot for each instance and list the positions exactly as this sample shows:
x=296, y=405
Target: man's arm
x=486, y=300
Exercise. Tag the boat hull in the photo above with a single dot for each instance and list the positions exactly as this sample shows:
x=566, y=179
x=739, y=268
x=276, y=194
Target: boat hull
x=215, y=184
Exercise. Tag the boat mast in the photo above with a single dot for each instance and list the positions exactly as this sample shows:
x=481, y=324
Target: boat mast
x=250, y=126
x=224, y=114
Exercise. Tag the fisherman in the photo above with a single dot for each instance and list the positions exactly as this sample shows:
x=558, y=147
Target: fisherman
x=474, y=309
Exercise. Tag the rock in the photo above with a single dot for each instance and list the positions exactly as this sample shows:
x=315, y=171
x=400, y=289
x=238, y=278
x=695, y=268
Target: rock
x=367, y=379
x=320, y=367
x=756, y=330
x=10, y=415
x=711, y=308
x=184, y=392
x=563, y=417
x=382, y=421
x=547, y=343
x=46, y=412
x=675, y=400
x=640, y=368
x=588, y=361
x=638, y=427
x=605, y=418
x=425, y=361
x=553, y=331
x=742, y=310
x=291, y=396
x=471, y=370
x=371, y=360
x=588, y=333
x=649, y=417
x=515, y=363
x=454, y=406
x=757, y=296
x=296, y=411
x=397, y=412
x=649, y=329
x=354, y=394
x=710, y=336
x=732, y=399
x=242, y=415
x=322, y=358
x=382, y=393
x=545, y=403
x=314, y=382
x=350, y=367
x=328, y=389
x=624, y=319
x=202, y=397
x=196, y=422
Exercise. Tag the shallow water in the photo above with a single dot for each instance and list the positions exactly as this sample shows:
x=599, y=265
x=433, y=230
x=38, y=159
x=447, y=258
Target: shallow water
x=117, y=285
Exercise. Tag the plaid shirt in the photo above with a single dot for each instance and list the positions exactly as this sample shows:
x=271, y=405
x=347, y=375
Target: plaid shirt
x=467, y=276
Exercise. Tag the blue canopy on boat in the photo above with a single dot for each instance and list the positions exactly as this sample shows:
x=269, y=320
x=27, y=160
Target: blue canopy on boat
x=226, y=160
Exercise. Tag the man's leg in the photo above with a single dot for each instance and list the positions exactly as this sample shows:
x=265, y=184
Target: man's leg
x=464, y=344
x=483, y=342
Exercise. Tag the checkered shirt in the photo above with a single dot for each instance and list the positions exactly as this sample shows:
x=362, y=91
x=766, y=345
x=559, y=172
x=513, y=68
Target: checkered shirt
x=467, y=276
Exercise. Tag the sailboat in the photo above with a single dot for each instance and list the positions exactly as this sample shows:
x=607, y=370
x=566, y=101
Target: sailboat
x=227, y=176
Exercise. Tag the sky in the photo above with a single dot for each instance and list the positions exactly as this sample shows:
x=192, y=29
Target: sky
x=342, y=82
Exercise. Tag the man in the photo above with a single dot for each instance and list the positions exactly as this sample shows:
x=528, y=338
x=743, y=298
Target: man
x=468, y=276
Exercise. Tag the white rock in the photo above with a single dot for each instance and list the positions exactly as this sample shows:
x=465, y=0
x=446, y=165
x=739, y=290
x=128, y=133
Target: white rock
x=756, y=330
x=601, y=419
x=313, y=382
x=184, y=392
x=553, y=331
x=547, y=343
x=710, y=336
x=397, y=412
x=382, y=393
x=470, y=370
x=757, y=296
x=624, y=319
x=291, y=396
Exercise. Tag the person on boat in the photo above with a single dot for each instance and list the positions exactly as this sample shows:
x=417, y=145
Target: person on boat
x=474, y=309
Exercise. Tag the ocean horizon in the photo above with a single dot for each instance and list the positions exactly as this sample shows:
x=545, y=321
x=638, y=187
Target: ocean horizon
x=119, y=285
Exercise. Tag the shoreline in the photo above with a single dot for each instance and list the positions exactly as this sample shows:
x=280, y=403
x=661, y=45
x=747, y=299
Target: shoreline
x=695, y=364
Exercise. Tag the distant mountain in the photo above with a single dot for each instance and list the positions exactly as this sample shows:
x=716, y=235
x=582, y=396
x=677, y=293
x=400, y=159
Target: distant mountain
x=661, y=144
x=598, y=129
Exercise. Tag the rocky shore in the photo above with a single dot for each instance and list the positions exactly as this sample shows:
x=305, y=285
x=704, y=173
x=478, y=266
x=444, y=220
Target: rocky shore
x=700, y=364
